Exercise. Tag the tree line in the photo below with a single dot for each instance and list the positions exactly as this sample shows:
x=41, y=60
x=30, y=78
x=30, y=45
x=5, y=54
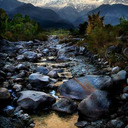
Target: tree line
x=19, y=28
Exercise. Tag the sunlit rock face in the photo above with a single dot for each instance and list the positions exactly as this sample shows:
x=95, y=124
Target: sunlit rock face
x=75, y=3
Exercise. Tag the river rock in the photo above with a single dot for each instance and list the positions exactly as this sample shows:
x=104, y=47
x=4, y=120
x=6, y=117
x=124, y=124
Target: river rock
x=120, y=76
x=9, y=68
x=4, y=94
x=45, y=51
x=82, y=87
x=17, y=87
x=21, y=67
x=116, y=123
x=31, y=56
x=38, y=81
x=53, y=74
x=42, y=70
x=95, y=106
x=115, y=69
x=33, y=100
x=125, y=89
x=65, y=105
x=20, y=57
x=8, y=123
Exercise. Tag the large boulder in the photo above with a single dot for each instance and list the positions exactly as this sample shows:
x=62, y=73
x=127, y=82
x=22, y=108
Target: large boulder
x=95, y=106
x=65, y=105
x=33, y=100
x=4, y=94
x=38, y=81
x=82, y=87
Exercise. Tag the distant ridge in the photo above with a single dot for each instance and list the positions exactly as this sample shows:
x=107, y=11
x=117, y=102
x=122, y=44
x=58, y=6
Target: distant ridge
x=112, y=13
x=46, y=17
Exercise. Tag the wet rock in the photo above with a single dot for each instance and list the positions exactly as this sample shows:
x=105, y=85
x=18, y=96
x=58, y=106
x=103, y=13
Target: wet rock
x=21, y=67
x=116, y=123
x=125, y=89
x=53, y=74
x=45, y=51
x=63, y=59
x=20, y=57
x=2, y=73
x=17, y=87
x=9, y=68
x=33, y=100
x=4, y=94
x=39, y=56
x=65, y=105
x=115, y=69
x=81, y=124
x=42, y=70
x=38, y=81
x=8, y=123
x=95, y=106
x=124, y=96
x=32, y=125
x=9, y=110
x=30, y=43
x=82, y=87
x=120, y=76
x=2, y=76
x=30, y=56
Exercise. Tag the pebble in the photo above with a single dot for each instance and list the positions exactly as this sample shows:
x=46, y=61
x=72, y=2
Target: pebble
x=115, y=69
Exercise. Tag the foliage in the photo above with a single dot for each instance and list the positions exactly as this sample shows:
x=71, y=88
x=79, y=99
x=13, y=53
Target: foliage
x=59, y=32
x=41, y=36
x=99, y=37
x=83, y=28
x=94, y=20
x=19, y=28
x=123, y=26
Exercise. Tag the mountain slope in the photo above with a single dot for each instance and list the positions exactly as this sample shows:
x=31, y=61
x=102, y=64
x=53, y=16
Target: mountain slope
x=112, y=13
x=79, y=4
x=68, y=13
x=9, y=5
x=46, y=17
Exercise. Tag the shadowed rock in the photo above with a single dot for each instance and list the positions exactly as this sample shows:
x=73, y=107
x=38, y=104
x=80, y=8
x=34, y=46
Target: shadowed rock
x=33, y=100
x=95, y=106
x=65, y=105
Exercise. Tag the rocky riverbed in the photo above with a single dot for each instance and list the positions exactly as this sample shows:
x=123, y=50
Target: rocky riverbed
x=50, y=85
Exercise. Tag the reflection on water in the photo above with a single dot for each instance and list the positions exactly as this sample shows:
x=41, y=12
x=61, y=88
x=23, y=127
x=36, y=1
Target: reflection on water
x=53, y=120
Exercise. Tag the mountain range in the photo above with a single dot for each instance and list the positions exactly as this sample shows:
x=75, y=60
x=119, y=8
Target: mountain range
x=112, y=13
x=66, y=13
x=46, y=17
x=79, y=4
